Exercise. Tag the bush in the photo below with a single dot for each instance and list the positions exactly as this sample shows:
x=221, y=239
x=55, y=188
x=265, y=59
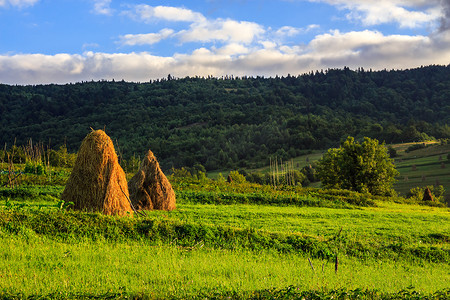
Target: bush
x=416, y=194
x=415, y=147
x=237, y=177
x=34, y=168
x=310, y=173
x=392, y=152
x=180, y=173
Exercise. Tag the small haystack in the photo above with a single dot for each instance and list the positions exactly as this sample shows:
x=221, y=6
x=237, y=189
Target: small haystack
x=149, y=188
x=97, y=182
x=427, y=196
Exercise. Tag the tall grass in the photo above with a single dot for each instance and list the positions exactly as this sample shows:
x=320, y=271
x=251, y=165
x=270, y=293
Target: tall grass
x=318, y=235
x=32, y=265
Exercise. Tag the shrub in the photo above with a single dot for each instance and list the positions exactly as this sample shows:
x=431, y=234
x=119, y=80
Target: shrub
x=392, y=152
x=237, y=177
x=416, y=194
x=34, y=168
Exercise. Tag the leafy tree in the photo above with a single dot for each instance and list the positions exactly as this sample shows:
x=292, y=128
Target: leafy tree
x=237, y=177
x=258, y=177
x=220, y=178
x=132, y=164
x=392, y=152
x=299, y=178
x=62, y=158
x=201, y=176
x=34, y=168
x=364, y=167
x=310, y=174
x=180, y=173
x=197, y=168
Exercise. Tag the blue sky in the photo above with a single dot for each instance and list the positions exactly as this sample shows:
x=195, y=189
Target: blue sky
x=46, y=41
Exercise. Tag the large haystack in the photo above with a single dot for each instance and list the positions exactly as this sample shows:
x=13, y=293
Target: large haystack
x=149, y=188
x=97, y=182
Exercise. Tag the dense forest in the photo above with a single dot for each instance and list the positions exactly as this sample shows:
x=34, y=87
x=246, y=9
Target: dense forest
x=233, y=122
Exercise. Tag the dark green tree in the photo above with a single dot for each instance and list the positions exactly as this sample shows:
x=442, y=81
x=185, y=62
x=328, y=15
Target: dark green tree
x=392, y=152
x=364, y=167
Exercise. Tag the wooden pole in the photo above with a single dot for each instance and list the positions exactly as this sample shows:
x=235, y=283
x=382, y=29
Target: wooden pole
x=336, y=264
x=310, y=263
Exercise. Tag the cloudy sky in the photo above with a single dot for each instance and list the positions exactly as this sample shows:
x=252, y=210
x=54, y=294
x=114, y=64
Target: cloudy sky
x=60, y=41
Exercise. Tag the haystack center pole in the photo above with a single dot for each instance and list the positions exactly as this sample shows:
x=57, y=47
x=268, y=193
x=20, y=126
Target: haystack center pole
x=270, y=169
x=278, y=174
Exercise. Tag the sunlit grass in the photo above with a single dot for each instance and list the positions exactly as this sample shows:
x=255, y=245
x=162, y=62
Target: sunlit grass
x=145, y=255
x=389, y=222
x=34, y=265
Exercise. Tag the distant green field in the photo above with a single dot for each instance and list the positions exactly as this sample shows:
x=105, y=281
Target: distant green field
x=431, y=166
x=422, y=167
x=299, y=162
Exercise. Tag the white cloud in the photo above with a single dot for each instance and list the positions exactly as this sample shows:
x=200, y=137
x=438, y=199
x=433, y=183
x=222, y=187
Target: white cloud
x=268, y=44
x=232, y=49
x=17, y=3
x=368, y=49
x=62, y=68
x=407, y=13
x=289, y=31
x=145, y=39
x=221, y=30
x=387, y=12
x=200, y=29
x=27, y=68
x=147, y=13
x=102, y=7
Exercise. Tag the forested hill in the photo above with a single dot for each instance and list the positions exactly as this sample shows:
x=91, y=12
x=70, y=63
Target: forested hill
x=233, y=122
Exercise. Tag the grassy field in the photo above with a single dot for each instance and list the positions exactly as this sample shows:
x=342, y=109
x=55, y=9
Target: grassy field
x=229, y=241
x=37, y=266
x=422, y=167
x=387, y=250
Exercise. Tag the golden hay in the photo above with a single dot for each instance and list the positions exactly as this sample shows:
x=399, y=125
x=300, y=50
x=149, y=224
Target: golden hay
x=149, y=188
x=97, y=182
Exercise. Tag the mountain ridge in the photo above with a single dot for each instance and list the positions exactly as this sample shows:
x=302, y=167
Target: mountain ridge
x=234, y=121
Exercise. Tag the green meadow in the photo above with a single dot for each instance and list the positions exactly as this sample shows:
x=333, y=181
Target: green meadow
x=36, y=266
x=386, y=250
x=232, y=241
